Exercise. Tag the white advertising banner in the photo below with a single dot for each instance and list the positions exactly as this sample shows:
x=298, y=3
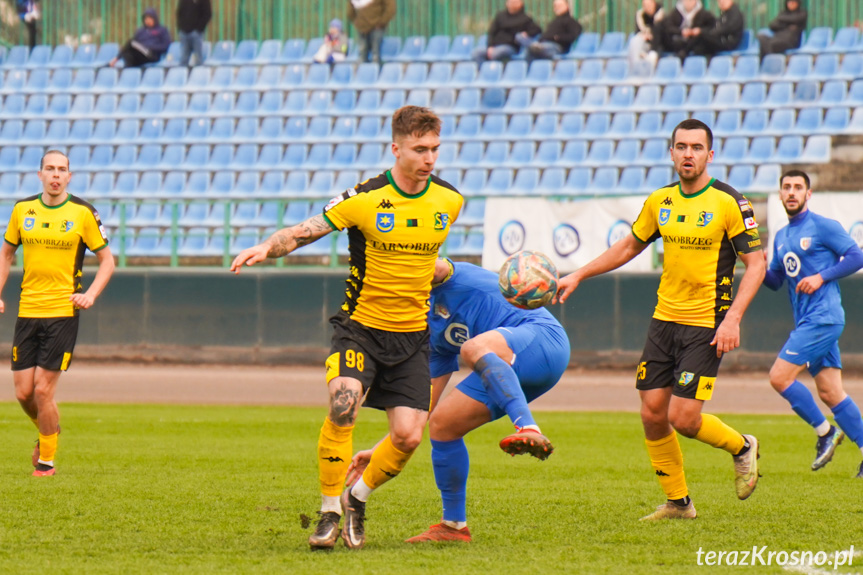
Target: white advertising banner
x=570, y=233
x=846, y=208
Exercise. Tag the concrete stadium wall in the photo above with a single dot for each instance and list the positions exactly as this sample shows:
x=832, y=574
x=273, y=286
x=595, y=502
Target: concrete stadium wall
x=281, y=316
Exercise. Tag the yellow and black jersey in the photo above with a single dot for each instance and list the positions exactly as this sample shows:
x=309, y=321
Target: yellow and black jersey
x=54, y=239
x=702, y=234
x=394, y=239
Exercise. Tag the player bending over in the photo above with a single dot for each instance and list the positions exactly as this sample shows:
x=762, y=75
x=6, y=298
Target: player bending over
x=516, y=355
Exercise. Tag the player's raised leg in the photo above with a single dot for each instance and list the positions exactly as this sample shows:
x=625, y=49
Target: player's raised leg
x=666, y=458
x=457, y=415
x=845, y=410
x=335, y=447
x=490, y=357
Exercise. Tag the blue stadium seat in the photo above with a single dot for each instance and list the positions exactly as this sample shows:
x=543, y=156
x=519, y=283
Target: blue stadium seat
x=292, y=51
x=809, y=121
x=699, y=97
x=493, y=127
x=600, y=152
x=521, y=154
x=658, y=177
x=197, y=157
x=37, y=81
x=806, y=93
x=101, y=157
x=101, y=186
x=420, y=97
x=153, y=104
x=390, y=48
x=766, y=178
x=631, y=180
x=574, y=153
x=341, y=76
x=772, y=67
x=667, y=70
x=597, y=124
x=621, y=98
x=626, y=152
x=222, y=186
x=545, y=126
x=105, y=106
x=443, y=99
x=37, y=105
x=246, y=185
x=728, y=122
x=499, y=182
x=538, y=74
x=84, y=57
x=461, y=48
x=622, y=125
x=269, y=52
x=613, y=44
x=10, y=157
x=490, y=74
x=673, y=97
x=14, y=106
x=578, y=181
x=469, y=155
x=130, y=79
x=39, y=57
x=570, y=98
x=106, y=80
x=246, y=130
x=295, y=156
x=436, y=49
x=564, y=73
x=585, y=47
x=845, y=41
x=34, y=131
x=799, y=67
x=826, y=67
x=746, y=69
x=221, y=53
x=694, y=69
x=753, y=95
x=129, y=105
x=439, y=74
x=816, y=150
x=61, y=81
x=9, y=184
x=649, y=124
x=411, y=51
x=572, y=125
x=106, y=52
x=14, y=82
x=173, y=157
x=719, y=69
x=646, y=99
x=671, y=120
x=246, y=78
x=126, y=184
x=223, y=78
x=149, y=186
x=526, y=182
x=761, y=149
x=740, y=177
x=83, y=81
x=83, y=130
x=734, y=151
x=548, y=153
x=836, y=120
x=473, y=181
x=654, y=151
x=245, y=53
x=273, y=183
x=788, y=150
x=17, y=57
x=515, y=74
x=817, y=41
x=726, y=96
x=590, y=73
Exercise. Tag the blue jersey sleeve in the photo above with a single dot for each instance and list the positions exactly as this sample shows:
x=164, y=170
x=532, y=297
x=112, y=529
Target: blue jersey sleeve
x=775, y=276
x=442, y=364
x=834, y=236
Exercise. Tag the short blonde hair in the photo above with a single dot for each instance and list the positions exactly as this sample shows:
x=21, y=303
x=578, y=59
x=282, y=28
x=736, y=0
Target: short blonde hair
x=414, y=120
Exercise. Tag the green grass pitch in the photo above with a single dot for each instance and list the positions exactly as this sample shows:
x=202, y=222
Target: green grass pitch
x=185, y=489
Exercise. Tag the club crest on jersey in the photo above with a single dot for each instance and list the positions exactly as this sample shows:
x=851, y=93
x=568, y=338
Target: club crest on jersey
x=685, y=378
x=664, y=214
x=66, y=225
x=456, y=334
x=440, y=310
x=441, y=220
x=704, y=218
x=29, y=223
x=805, y=243
x=385, y=222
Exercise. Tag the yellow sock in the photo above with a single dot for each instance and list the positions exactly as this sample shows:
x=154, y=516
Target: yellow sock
x=47, y=447
x=35, y=422
x=714, y=432
x=667, y=460
x=386, y=463
x=335, y=448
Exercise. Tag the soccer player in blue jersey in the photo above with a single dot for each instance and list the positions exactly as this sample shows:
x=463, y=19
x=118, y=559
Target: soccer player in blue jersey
x=812, y=252
x=516, y=355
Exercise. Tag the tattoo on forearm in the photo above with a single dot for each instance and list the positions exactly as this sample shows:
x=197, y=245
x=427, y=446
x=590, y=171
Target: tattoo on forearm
x=343, y=405
x=319, y=224
x=279, y=243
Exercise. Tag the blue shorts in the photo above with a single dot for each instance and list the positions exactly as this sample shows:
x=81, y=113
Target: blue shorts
x=815, y=346
x=541, y=356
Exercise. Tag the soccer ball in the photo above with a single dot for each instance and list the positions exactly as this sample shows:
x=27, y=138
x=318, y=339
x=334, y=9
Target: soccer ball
x=528, y=279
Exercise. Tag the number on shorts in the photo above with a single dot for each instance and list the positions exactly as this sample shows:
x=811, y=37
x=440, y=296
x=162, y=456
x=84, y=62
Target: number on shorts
x=355, y=359
x=642, y=371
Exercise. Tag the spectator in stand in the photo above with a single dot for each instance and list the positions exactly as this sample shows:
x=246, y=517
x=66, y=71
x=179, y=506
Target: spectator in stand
x=646, y=20
x=29, y=12
x=787, y=30
x=192, y=19
x=559, y=35
x=509, y=31
x=335, y=46
x=148, y=45
x=725, y=35
x=681, y=26
x=370, y=18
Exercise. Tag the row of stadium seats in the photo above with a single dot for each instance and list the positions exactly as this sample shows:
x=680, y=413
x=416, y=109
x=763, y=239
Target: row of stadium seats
x=499, y=153
x=301, y=131
x=372, y=102
x=556, y=181
x=438, y=48
x=516, y=73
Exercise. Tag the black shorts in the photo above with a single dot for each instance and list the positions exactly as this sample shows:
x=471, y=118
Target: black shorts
x=45, y=342
x=392, y=366
x=679, y=355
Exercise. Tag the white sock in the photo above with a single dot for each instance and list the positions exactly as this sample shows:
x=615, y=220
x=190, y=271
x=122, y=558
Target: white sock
x=361, y=491
x=330, y=504
x=49, y=463
x=861, y=449
x=454, y=524
x=531, y=427
x=823, y=428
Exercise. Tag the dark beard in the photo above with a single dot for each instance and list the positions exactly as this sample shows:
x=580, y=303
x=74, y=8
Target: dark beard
x=791, y=213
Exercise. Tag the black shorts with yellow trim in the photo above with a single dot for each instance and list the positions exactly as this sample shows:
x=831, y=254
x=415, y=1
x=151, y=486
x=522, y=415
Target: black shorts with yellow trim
x=393, y=367
x=46, y=342
x=680, y=356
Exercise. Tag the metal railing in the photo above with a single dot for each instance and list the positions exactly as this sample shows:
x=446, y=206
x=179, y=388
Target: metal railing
x=97, y=21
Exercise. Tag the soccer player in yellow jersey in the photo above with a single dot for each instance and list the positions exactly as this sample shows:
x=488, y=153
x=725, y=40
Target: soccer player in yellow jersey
x=396, y=224
x=705, y=225
x=55, y=228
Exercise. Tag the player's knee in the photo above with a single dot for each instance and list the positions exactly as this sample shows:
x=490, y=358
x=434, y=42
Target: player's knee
x=653, y=417
x=685, y=423
x=43, y=393
x=472, y=350
x=406, y=440
x=24, y=396
x=831, y=397
x=779, y=381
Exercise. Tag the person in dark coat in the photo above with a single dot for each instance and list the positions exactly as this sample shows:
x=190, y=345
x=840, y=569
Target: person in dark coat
x=682, y=24
x=647, y=19
x=192, y=19
x=28, y=11
x=370, y=18
x=787, y=30
x=148, y=45
x=509, y=31
x=724, y=36
x=558, y=36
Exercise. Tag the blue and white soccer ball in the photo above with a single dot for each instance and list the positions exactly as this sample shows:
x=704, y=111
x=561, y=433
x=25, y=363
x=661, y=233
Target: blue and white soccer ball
x=528, y=279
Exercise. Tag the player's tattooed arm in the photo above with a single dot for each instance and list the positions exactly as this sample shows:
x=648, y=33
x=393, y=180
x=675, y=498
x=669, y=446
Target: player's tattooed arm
x=287, y=240
x=344, y=403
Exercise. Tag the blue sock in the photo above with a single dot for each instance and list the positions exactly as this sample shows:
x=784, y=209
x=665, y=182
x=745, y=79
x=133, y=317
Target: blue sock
x=847, y=415
x=502, y=385
x=803, y=404
x=451, y=465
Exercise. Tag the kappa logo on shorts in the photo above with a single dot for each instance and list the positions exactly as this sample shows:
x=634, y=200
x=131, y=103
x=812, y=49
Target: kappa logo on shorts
x=685, y=378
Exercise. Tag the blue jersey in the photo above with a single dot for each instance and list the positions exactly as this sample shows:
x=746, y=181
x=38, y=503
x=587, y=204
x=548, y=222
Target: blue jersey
x=467, y=304
x=808, y=245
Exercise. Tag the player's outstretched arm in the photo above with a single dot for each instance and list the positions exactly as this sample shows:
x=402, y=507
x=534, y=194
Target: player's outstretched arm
x=727, y=335
x=86, y=299
x=283, y=242
x=7, y=254
x=623, y=251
